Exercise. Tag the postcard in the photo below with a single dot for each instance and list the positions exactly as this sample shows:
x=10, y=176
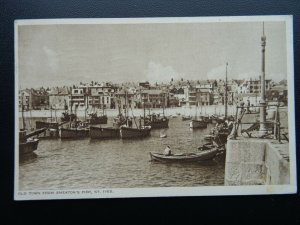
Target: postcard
x=154, y=107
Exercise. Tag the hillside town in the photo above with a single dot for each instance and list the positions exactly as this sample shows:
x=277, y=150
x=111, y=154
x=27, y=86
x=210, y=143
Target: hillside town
x=176, y=93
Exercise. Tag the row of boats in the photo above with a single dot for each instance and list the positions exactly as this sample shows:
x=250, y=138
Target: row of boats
x=70, y=127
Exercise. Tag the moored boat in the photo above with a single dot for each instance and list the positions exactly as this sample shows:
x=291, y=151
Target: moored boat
x=130, y=132
x=76, y=130
x=94, y=119
x=73, y=132
x=157, y=122
x=29, y=146
x=185, y=157
x=104, y=132
x=198, y=124
x=27, y=142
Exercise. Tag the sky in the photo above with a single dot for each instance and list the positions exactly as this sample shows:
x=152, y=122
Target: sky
x=65, y=54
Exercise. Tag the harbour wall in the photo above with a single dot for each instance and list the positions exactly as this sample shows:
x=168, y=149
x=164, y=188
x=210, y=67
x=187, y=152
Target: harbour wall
x=252, y=161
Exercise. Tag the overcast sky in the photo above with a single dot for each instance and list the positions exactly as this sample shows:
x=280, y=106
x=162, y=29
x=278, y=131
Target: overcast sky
x=57, y=55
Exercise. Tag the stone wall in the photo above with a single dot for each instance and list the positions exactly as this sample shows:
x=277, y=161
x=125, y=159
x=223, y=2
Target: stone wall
x=252, y=161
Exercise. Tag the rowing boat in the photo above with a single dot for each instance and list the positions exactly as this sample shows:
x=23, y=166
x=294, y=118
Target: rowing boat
x=185, y=157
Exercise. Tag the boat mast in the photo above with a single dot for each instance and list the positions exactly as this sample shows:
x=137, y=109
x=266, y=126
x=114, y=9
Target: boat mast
x=24, y=126
x=126, y=109
x=164, y=106
x=226, y=93
x=144, y=112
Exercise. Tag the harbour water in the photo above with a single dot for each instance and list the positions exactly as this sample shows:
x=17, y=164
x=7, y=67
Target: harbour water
x=84, y=163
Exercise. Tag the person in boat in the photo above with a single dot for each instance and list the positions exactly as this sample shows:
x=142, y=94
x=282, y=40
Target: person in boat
x=168, y=151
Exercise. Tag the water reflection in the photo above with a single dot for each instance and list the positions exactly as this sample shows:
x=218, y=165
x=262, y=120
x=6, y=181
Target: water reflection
x=27, y=158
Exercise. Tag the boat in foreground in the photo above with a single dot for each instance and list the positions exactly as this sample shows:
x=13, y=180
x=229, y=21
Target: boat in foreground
x=185, y=157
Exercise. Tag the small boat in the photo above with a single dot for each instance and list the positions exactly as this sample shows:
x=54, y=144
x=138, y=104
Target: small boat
x=185, y=157
x=162, y=135
x=208, y=137
x=104, y=132
x=178, y=114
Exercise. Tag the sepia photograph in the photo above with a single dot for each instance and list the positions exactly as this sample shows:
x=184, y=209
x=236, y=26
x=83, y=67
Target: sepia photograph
x=154, y=107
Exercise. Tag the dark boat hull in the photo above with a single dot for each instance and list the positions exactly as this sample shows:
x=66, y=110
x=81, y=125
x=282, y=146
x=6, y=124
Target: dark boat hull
x=42, y=124
x=198, y=124
x=185, y=157
x=73, y=133
x=107, y=132
x=164, y=123
x=127, y=132
x=28, y=147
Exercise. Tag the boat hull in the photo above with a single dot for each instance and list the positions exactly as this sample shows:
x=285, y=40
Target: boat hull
x=73, y=133
x=127, y=132
x=198, y=124
x=28, y=147
x=107, y=132
x=164, y=123
x=42, y=124
x=185, y=157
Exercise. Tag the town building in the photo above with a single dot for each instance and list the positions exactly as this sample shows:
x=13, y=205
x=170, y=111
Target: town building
x=59, y=97
x=34, y=99
x=77, y=98
x=153, y=98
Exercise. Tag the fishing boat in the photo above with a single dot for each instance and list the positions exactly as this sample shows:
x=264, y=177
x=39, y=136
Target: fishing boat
x=155, y=121
x=94, y=119
x=130, y=132
x=127, y=131
x=27, y=145
x=104, y=132
x=75, y=130
x=198, y=122
x=27, y=142
x=185, y=157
